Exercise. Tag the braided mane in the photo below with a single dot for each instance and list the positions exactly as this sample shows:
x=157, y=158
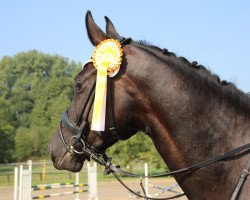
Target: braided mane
x=228, y=87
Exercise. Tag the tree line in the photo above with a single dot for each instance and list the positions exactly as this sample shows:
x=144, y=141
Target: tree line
x=34, y=89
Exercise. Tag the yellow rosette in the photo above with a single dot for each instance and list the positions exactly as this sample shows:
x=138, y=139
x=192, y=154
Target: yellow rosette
x=107, y=58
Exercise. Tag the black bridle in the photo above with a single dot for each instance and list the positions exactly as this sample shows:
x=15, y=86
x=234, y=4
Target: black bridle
x=79, y=131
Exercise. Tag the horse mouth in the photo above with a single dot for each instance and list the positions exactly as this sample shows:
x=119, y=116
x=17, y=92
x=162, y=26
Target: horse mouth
x=69, y=162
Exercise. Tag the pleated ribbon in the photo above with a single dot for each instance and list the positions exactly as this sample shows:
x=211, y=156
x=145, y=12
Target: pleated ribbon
x=107, y=59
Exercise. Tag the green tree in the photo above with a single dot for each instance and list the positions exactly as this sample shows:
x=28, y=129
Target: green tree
x=6, y=133
x=37, y=87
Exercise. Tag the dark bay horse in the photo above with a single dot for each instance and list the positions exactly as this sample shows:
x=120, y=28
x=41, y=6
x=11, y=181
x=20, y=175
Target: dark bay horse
x=189, y=114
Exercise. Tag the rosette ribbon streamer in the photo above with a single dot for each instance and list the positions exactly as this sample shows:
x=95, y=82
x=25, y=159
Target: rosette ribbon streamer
x=107, y=58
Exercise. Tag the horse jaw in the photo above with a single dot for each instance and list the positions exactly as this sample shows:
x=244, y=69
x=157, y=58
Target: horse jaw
x=62, y=159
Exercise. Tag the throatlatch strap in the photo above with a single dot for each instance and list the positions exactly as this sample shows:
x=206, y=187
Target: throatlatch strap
x=110, y=115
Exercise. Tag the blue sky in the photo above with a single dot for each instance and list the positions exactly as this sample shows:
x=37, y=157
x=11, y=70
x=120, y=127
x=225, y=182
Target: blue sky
x=214, y=33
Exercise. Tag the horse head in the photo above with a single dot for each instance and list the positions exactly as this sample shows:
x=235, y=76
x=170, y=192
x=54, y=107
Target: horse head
x=124, y=107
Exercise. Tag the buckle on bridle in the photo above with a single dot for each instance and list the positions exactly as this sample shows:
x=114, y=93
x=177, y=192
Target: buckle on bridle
x=72, y=148
x=108, y=164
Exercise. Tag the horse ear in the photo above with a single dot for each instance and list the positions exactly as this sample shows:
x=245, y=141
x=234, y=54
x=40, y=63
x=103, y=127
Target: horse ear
x=95, y=34
x=110, y=29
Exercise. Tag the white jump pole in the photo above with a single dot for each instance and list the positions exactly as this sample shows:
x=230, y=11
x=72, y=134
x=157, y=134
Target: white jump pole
x=146, y=178
x=15, y=183
x=29, y=162
x=20, y=182
x=92, y=181
x=29, y=181
x=77, y=188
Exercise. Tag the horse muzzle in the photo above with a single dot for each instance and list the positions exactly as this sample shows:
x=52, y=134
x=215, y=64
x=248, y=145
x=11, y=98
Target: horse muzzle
x=62, y=158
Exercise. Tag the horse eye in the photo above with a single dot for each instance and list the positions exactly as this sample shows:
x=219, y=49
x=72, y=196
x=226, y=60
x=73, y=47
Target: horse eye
x=78, y=86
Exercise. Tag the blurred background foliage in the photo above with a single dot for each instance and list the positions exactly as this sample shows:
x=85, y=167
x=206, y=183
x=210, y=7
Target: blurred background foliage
x=34, y=89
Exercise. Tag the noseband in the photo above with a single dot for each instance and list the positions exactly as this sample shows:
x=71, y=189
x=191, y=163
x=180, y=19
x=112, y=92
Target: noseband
x=79, y=129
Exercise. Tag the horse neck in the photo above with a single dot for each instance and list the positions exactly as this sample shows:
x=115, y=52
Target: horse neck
x=190, y=118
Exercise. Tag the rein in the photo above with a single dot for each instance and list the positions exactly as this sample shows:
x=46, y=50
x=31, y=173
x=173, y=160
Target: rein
x=80, y=129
